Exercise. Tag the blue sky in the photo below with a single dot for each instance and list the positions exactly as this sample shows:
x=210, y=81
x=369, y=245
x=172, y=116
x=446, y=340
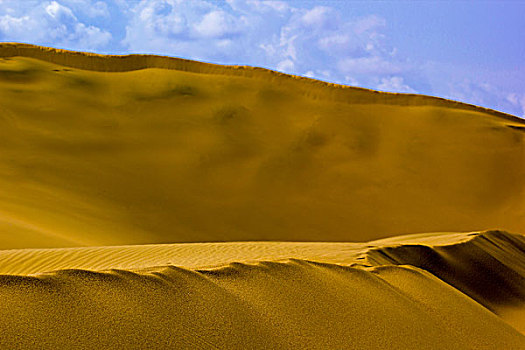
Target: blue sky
x=471, y=51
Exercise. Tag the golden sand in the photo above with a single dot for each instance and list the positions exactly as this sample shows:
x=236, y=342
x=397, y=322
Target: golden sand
x=150, y=202
x=200, y=153
x=357, y=301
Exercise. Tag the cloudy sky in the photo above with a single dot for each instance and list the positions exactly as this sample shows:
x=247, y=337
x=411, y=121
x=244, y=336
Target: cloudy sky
x=471, y=51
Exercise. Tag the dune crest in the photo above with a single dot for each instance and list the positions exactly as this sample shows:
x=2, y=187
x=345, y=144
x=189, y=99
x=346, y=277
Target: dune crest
x=298, y=304
x=489, y=268
x=127, y=63
x=485, y=266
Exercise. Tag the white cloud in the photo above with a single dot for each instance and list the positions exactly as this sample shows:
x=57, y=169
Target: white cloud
x=518, y=101
x=286, y=66
x=369, y=23
x=55, y=10
x=98, y=9
x=14, y=24
x=371, y=65
x=318, y=17
x=309, y=74
x=49, y=23
x=394, y=84
x=351, y=81
x=216, y=24
x=279, y=6
x=262, y=7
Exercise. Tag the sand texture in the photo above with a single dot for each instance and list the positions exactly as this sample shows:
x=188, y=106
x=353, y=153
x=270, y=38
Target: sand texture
x=149, y=202
x=367, y=297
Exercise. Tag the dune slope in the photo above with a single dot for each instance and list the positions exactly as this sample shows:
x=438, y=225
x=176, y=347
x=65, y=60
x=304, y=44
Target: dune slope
x=488, y=267
x=271, y=294
x=270, y=305
x=113, y=150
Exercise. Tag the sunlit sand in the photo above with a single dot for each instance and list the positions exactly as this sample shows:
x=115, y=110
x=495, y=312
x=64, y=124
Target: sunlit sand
x=151, y=202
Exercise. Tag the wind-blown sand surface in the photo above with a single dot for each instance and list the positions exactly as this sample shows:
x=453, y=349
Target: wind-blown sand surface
x=366, y=297
x=149, y=202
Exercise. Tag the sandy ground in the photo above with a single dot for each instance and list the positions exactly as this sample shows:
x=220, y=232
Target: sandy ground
x=435, y=291
x=201, y=153
x=150, y=203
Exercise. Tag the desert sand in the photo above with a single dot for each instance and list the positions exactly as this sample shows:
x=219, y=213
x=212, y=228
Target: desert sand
x=150, y=202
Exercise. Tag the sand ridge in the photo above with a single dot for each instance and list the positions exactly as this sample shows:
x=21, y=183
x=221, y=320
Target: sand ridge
x=211, y=255
x=488, y=267
x=126, y=63
x=297, y=304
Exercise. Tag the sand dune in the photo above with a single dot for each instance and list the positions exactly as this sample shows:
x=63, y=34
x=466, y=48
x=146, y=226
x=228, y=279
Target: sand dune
x=269, y=304
x=489, y=268
x=150, y=202
x=211, y=255
x=144, y=149
x=296, y=305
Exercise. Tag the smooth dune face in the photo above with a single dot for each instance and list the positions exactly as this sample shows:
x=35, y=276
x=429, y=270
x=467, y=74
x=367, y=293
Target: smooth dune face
x=108, y=151
x=157, y=203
